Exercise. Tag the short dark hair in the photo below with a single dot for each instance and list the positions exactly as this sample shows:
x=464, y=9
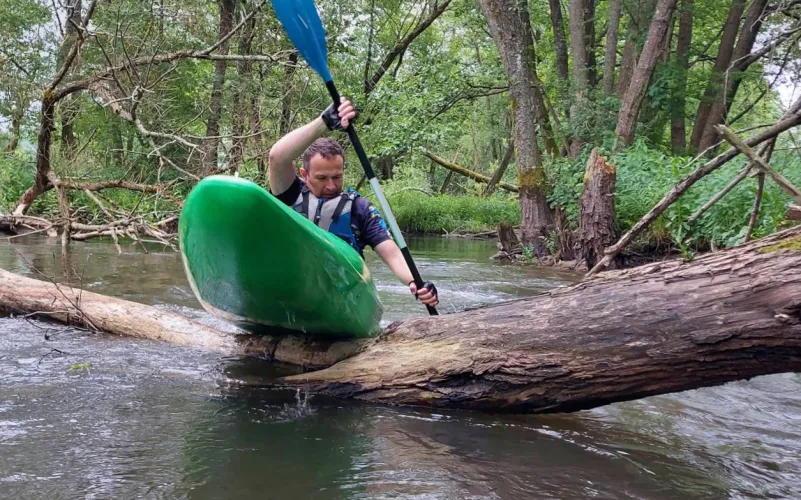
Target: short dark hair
x=326, y=147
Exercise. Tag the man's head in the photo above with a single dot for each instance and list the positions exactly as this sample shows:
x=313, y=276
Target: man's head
x=323, y=168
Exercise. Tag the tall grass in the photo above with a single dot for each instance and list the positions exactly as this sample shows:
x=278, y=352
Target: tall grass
x=419, y=213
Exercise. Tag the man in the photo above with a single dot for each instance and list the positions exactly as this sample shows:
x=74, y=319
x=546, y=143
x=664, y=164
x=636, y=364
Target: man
x=317, y=193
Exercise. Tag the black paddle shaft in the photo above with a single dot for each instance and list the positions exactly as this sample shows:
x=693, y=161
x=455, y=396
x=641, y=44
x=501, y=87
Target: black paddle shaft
x=370, y=174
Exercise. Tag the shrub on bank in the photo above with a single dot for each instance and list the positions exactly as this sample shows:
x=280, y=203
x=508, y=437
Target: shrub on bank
x=645, y=175
x=419, y=213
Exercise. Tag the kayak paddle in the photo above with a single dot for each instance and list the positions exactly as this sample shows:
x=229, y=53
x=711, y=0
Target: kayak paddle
x=302, y=23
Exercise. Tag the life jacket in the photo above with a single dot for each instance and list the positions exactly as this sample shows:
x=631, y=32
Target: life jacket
x=333, y=215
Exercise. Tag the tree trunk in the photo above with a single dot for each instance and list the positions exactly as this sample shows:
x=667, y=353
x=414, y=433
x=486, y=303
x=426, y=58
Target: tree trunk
x=589, y=42
x=630, y=107
x=610, y=56
x=678, y=133
x=386, y=165
x=240, y=98
x=286, y=96
x=715, y=82
x=793, y=212
x=66, y=106
x=732, y=315
x=510, y=244
x=510, y=27
x=498, y=175
x=581, y=79
x=734, y=73
x=258, y=139
x=597, y=210
x=628, y=60
x=40, y=181
x=466, y=172
x=212, y=143
x=16, y=123
x=559, y=39
x=21, y=295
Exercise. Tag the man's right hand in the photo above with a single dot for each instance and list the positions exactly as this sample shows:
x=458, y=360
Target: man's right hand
x=340, y=118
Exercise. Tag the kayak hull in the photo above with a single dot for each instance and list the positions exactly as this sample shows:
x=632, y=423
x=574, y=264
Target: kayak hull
x=256, y=263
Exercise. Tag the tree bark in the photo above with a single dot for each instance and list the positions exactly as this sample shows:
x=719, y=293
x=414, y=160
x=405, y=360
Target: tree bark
x=510, y=28
x=632, y=99
x=240, y=99
x=733, y=315
x=678, y=133
x=212, y=143
x=715, y=82
x=734, y=73
x=610, y=56
x=793, y=212
x=597, y=210
x=559, y=39
x=467, y=173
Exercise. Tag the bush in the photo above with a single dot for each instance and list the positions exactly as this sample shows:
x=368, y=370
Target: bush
x=645, y=175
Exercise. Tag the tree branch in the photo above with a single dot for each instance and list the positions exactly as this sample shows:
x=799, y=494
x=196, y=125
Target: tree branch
x=402, y=45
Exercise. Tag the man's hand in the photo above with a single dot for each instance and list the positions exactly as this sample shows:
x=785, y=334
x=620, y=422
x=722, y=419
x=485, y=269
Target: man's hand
x=427, y=295
x=340, y=118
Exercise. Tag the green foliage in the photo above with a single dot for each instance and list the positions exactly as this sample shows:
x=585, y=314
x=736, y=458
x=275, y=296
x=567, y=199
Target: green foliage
x=645, y=175
x=16, y=172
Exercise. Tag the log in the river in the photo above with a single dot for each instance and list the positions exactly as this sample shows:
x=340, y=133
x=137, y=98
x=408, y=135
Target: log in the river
x=660, y=328
x=21, y=295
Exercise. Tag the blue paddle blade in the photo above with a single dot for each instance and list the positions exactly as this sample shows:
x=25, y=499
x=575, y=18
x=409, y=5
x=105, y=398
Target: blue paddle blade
x=302, y=23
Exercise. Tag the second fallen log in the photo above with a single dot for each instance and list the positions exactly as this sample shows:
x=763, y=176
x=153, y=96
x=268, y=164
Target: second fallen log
x=467, y=173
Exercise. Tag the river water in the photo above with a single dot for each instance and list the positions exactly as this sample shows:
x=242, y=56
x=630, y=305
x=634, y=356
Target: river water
x=85, y=415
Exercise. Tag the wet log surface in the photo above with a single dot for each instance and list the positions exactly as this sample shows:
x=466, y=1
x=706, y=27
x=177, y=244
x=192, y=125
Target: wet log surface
x=660, y=328
x=624, y=335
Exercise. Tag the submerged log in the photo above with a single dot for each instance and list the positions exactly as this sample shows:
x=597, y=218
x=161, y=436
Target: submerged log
x=660, y=328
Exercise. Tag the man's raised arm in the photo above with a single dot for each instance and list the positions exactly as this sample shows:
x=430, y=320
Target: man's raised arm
x=291, y=146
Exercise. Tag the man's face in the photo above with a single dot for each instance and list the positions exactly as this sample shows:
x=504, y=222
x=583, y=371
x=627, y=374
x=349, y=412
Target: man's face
x=324, y=177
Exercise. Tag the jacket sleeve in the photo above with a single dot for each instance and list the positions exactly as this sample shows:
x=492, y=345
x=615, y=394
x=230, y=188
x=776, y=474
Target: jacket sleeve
x=370, y=228
x=291, y=194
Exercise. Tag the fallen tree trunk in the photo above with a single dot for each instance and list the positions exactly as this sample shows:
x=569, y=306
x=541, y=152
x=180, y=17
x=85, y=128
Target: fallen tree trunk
x=661, y=328
x=467, y=173
x=794, y=212
x=21, y=295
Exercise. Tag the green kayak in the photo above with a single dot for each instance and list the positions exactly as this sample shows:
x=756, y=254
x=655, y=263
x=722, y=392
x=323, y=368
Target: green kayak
x=256, y=263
